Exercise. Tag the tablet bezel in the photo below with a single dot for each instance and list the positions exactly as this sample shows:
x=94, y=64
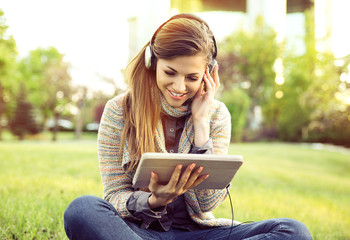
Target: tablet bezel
x=221, y=168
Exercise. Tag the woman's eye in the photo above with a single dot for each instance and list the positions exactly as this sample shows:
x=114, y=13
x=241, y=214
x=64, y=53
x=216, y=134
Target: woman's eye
x=169, y=73
x=192, y=78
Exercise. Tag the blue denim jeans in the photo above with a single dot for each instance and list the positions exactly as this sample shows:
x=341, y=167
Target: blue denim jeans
x=90, y=217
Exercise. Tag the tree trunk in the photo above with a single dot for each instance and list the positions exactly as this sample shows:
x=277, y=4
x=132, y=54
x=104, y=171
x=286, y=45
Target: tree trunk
x=55, y=127
x=2, y=108
x=79, y=120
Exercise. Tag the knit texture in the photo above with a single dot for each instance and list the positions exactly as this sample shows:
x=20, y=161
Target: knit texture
x=117, y=184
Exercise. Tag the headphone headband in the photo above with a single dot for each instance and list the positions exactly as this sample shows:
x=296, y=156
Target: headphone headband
x=187, y=16
x=150, y=59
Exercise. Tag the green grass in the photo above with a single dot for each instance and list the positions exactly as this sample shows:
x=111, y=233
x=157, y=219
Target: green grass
x=287, y=180
x=38, y=179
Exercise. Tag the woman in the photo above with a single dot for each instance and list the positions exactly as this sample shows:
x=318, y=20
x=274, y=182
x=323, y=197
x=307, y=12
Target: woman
x=169, y=107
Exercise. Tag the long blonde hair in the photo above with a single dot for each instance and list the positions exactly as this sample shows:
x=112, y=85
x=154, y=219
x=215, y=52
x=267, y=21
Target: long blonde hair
x=178, y=37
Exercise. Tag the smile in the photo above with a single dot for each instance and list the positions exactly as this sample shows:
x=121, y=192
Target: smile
x=176, y=95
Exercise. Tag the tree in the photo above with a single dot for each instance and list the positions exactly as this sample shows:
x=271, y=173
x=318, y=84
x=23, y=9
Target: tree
x=311, y=105
x=328, y=98
x=246, y=61
x=237, y=102
x=48, y=81
x=8, y=55
x=23, y=122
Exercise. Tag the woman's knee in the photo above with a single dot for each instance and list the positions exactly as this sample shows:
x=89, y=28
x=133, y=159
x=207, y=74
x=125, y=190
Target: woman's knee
x=80, y=208
x=296, y=228
x=90, y=217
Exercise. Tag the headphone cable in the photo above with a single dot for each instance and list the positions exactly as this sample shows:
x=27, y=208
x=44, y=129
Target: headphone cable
x=232, y=213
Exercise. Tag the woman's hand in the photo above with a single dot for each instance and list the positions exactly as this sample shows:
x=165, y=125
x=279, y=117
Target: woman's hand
x=203, y=99
x=178, y=185
x=201, y=105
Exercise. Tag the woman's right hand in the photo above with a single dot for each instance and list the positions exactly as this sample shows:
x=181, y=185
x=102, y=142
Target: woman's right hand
x=178, y=185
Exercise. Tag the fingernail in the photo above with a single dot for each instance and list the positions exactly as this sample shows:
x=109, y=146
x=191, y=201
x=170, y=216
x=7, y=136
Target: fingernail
x=200, y=169
x=192, y=166
x=152, y=174
x=179, y=166
x=206, y=176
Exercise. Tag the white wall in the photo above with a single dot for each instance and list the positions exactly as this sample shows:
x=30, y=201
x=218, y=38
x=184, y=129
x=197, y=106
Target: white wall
x=144, y=21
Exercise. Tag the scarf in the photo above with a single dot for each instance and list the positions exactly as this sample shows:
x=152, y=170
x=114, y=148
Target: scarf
x=186, y=138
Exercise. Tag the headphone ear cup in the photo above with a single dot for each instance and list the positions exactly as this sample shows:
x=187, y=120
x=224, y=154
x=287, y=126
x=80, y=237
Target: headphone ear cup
x=153, y=63
x=212, y=65
x=148, y=57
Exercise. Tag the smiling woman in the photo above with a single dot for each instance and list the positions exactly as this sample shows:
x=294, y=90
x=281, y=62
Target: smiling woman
x=166, y=109
x=180, y=78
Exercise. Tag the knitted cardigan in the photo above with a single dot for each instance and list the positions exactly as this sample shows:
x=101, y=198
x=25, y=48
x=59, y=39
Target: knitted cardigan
x=117, y=184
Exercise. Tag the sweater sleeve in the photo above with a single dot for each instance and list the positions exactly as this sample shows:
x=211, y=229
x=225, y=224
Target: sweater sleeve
x=117, y=185
x=220, y=133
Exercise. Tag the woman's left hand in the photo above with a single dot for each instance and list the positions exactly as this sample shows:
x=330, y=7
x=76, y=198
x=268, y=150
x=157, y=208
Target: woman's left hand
x=201, y=105
x=204, y=97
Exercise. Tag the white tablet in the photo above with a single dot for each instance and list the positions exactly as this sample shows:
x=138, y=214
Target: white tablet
x=221, y=168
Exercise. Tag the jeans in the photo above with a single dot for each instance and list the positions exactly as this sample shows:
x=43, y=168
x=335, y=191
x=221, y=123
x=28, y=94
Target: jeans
x=90, y=217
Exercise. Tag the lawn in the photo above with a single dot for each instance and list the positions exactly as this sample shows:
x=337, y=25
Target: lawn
x=39, y=179
x=294, y=181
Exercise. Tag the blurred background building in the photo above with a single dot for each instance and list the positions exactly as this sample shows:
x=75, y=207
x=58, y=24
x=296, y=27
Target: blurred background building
x=225, y=16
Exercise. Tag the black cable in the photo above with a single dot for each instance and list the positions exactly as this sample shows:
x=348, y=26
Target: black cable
x=232, y=213
x=232, y=217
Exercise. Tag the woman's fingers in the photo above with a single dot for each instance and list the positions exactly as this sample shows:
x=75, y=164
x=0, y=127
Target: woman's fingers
x=199, y=180
x=175, y=177
x=208, y=81
x=193, y=178
x=212, y=82
x=178, y=184
x=216, y=77
x=153, y=182
x=185, y=176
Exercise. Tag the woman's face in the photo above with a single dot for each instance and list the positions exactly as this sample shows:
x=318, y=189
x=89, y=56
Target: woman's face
x=179, y=78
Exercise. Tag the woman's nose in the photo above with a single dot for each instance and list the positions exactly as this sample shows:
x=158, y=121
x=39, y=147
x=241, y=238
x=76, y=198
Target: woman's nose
x=179, y=85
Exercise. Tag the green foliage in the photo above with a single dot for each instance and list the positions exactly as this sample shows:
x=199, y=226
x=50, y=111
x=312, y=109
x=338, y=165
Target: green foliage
x=8, y=55
x=330, y=118
x=289, y=115
x=8, y=51
x=331, y=127
x=247, y=58
x=309, y=109
x=309, y=104
x=237, y=102
x=246, y=61
x=47, y=80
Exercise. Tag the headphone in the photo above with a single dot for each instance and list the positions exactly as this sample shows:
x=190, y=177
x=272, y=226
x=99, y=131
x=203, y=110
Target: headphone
x=150, y=58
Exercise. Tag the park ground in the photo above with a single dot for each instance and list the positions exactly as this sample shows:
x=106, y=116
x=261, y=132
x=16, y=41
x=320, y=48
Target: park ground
x=307, y=182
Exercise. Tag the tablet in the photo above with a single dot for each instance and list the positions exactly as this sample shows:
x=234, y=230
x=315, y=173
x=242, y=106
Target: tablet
x=221, y=168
